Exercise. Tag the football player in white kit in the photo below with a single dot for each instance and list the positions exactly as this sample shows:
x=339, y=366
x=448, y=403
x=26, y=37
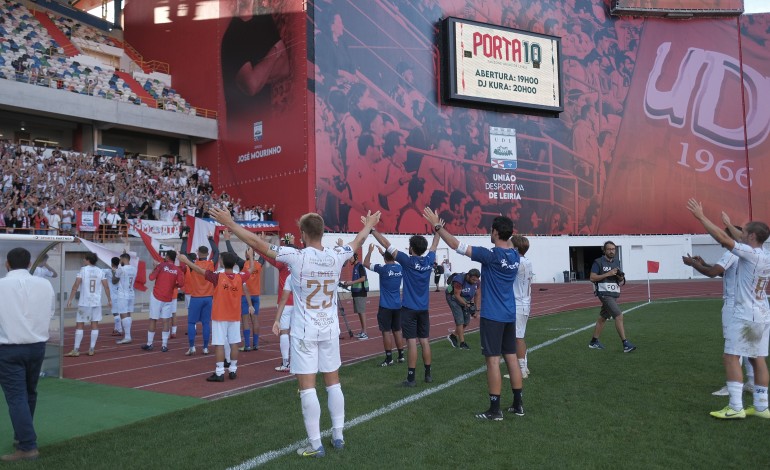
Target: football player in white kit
x=91, y=280
x=315, y=329
x=126, y=275
x=747, y=331
x=109, y=273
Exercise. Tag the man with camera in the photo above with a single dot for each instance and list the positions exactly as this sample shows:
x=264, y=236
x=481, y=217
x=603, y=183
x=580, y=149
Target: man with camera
x=607, y=278
x=464, y=298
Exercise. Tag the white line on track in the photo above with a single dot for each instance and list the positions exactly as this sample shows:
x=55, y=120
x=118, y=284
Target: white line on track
x=291, y=448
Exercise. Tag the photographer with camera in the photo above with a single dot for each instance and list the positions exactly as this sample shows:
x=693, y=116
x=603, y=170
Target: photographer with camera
x=464, y=298
x=607, y=278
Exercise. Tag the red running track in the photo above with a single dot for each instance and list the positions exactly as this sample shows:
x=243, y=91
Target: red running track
x=177, y=374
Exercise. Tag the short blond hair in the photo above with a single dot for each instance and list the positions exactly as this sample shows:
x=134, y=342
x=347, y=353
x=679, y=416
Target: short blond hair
x=313, y=225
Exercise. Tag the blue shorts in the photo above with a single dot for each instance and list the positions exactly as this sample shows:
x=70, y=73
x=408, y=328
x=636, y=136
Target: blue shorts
x=245, y=305
x=415, y=323
x=497, y=337
x=389, y=319
x=200, y=309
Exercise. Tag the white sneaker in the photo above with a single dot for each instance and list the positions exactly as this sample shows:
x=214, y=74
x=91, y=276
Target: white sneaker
x=124, y=341
x=282, y=368
x=722, y=392
x=205, y=350
x=748, y=387
x=362, y=336
x=190, y=352
x=524, y=373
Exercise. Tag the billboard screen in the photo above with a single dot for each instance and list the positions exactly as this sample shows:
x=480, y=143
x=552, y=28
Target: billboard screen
x=678, y=7
x=501, y=66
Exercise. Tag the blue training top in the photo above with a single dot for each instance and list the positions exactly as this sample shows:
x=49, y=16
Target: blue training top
x=390, y=284
x=499, y=267
x=417, y=273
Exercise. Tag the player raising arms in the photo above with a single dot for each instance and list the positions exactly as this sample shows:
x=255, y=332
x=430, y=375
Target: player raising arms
x=315, y=272
x=746, y=332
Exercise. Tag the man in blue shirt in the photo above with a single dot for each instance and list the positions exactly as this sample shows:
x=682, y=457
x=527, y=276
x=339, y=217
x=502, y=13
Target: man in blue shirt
x=389, y=313
x=415, y=323
x=499, y=266
x=463, y=297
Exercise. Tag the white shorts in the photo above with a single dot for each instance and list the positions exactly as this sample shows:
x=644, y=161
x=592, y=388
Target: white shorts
x=225, y=332
x=746, y=338
x=159, y=309
x=124, y=305
x=522, y=315
x=174, y=305
x=88, y=314
x=114, y=308
x=286, y=317
x=311, y=357
x=727, y=315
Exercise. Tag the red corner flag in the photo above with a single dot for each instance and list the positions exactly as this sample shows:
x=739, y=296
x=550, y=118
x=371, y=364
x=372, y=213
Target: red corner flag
x=653, y=266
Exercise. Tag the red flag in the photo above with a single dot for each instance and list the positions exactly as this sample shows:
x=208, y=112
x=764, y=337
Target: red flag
x=149, y=242
x=653, y=266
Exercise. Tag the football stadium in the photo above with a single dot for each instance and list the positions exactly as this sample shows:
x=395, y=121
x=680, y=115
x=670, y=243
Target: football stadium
x=283, y=233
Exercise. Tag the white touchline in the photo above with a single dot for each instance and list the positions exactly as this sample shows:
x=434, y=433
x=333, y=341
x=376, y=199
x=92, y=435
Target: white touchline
x=274, y=454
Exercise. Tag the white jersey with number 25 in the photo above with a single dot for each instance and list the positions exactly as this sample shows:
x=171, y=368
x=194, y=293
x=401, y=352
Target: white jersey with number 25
x=314, y=277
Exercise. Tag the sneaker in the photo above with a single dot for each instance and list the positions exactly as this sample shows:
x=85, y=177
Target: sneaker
x=728, y=413
x=751, y=411
x=526, y=369
x=164, y=349
x=91, y=352
x=205, y=350
x=748, y=387
x=215, y=378
x=428, y=378
x=517, y=410
x=452, y=339
x=498, y=416
x=116, y=333
x=310, y=452
x=147, y=347
x=73, y=353
x=628, y=347
x=244, y=349
x=386, y=363
x=401, y=360
x=362, y=336
x=338, y=444
x=124, y=341
x=722, y=392
x=282, y=368
x=524, y=373
x=464, y=345
x=409, y=383
x=595, y=345
x=232, y=375
x=190, y=352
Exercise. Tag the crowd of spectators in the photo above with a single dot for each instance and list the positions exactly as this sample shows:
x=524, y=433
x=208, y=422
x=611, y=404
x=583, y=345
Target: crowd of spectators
x=43, y=190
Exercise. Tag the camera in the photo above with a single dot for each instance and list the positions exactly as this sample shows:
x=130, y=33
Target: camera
x=470, y=308
x=620, y=273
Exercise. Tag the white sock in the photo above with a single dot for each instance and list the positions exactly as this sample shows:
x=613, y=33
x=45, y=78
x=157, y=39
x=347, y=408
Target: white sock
x=227, y=352
x=173, y=330
x=311, y=412
x=285, y=349
x=735, y=389
x=150, y=337
x=522, y=364
x=94, y=336
x=749, y=370
x=336, y=405
x=78, y=338
x=220, y=368
x=760, y=398
x=118, y=326
x=164, y=337
x=233, y=366
x=127, y=327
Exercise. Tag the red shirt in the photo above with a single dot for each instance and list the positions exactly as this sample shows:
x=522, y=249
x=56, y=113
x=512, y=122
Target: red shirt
x=167, y=277
x=283, y=275
x=228, y=289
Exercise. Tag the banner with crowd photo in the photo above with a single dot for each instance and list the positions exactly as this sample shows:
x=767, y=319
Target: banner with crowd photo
x=262, y=112
x=617, y=160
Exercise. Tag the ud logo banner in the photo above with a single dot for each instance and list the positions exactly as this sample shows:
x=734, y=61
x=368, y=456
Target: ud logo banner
x=258, y=131
x=502, y=148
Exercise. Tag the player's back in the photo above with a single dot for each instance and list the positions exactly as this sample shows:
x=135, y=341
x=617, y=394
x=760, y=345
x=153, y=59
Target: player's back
x=90, y=286
x=522, y=286
x=127, y=276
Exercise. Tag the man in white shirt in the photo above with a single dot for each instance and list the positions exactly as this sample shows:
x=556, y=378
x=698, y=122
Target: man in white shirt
x=315, y=329
x=28, y=305
x=522, y=291
x=90, y=304
x=125, y=276
x=748, y=329
x=117, y=329
x=44, y=270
